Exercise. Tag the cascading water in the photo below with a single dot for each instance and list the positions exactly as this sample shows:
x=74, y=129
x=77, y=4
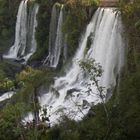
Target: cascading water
x=56, y=39
x=52, y=34
x=32, y=24
x=25, y=43
x=68, y=94
x=108, y=47
x=20, y=34
x=59, y=40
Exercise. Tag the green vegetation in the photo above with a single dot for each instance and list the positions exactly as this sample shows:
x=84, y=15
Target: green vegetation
x=29, y=81
x=6, y=84
x=77, y=16
x=123, y=109
x=42, y=34
x=8, y=12
x=10, y=121
x=94, y=71
x=6, y=78
x=131, y=19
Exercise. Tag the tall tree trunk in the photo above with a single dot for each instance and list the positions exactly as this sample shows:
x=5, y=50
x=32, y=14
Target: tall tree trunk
x=36, y=107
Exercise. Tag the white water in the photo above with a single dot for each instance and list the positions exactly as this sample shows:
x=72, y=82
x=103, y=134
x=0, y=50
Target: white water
x=56, y=38
x=24, y=33
x=52, y=34
x=107, y=49
x=6, y=95
x=20, y=34
x=59, y=41
x=31, y=46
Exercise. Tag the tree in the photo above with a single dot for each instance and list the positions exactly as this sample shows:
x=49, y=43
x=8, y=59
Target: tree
x=11, y=121
x=94, y=71
x=31, y=81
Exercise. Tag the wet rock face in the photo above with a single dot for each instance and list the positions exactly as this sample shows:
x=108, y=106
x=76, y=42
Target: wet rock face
x=90, y=11
x=86, y=104
x=91, y=113
x=3, y=103
x=2, y=92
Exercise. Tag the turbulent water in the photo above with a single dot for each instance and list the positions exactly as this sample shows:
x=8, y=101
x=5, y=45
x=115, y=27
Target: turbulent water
x=25, y=44
x=68, y=94
x=57, y=40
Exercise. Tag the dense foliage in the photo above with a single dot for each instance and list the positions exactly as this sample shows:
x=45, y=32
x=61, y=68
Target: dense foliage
x=42, y=34
x=8, y=12
x=123, y=108
x=131, y=19
x=76, y=17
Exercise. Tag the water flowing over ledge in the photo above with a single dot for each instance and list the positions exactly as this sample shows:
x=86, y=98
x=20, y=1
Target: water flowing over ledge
x=57, y=39
x=68, y=94
x=25, y=43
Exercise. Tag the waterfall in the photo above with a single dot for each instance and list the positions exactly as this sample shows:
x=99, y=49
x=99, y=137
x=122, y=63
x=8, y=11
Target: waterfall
x=24, y=33
x=56, y=37
x=59, y=40
x=52, y=33
x=108, y=47
x=68, y=93
x=32, y=24
x=20, y=34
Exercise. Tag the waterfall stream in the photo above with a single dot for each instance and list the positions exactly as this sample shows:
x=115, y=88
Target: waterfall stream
x=68, y=93
x=52, y=34
x=20, y=33
x=57, y=40
x=25, y=43
x=32, y=24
